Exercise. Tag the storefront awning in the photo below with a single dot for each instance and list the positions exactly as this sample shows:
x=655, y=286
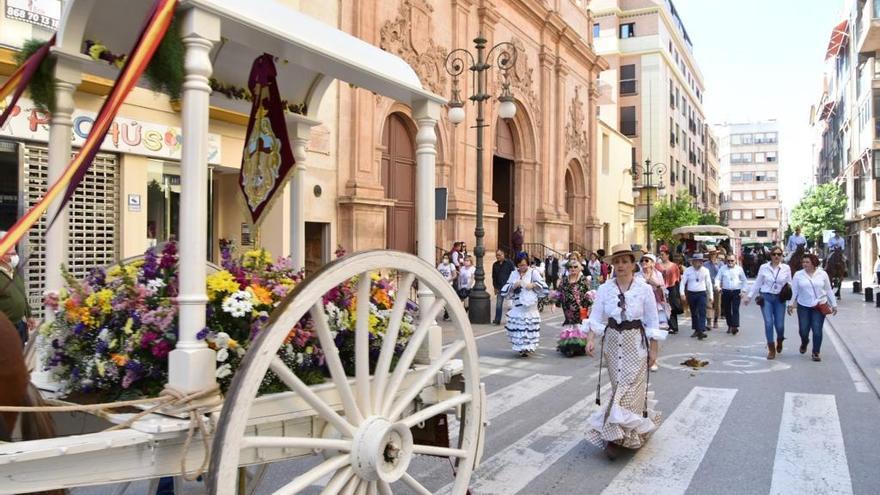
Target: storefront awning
x=839, y=38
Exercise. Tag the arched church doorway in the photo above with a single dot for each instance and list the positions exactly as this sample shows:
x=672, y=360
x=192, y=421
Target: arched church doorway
x=399, y=181
x=503, y=183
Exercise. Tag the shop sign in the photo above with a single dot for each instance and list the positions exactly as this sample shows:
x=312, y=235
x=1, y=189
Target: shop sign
x=44, y=13
x=125, y=135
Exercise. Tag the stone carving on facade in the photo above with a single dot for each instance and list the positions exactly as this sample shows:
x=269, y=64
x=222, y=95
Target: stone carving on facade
x=409, y=37
x=576, y=138
x=522, y=80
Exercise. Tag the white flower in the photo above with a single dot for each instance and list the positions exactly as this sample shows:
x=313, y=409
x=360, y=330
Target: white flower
x=222, y=339
x=104, y=334
x=222, y=354
x=155, y=284
x=239, y=304
x=224, y=371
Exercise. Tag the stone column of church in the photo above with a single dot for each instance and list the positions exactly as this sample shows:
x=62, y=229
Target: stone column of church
x=545, y=153
x=593, y=225
x=560, y=164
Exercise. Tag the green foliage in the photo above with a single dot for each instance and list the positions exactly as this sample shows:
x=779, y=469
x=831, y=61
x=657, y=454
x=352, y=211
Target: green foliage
x=709, y=218
x=41, y=84
x=165, y=72
x=822, y=208
x=669, y=215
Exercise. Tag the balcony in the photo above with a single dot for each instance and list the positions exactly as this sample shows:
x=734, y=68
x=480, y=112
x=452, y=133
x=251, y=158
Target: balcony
x=868, y=28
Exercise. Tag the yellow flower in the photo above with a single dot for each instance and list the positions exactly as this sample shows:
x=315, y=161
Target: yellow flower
x=100, y=366
x=101, y=301
x=261, y=294
x=115, y=271
x=131, y=271
x=220, y=283
x=256, y=257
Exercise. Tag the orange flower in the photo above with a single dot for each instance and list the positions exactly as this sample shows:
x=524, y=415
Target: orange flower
x=261, y=294
x=119, y=359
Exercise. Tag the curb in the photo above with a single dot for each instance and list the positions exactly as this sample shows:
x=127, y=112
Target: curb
x=873, y=378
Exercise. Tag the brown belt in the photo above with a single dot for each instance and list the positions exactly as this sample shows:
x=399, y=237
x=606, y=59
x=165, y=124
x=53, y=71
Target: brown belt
x=625, y=325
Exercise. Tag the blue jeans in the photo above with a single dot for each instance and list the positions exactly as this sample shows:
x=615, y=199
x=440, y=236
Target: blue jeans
x=499, y=307
x=697, y=303
x=810, y=319
x=774, y=316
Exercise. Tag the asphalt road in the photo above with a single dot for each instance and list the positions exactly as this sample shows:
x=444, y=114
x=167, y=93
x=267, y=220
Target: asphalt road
x=741, y=425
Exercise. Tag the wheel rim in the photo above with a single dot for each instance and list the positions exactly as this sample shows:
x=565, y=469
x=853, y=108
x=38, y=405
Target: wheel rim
x=371, y=445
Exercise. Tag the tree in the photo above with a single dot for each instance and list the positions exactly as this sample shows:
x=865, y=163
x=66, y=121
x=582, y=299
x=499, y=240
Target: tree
x=669, y=215
x=822, y=208
x=709, y=218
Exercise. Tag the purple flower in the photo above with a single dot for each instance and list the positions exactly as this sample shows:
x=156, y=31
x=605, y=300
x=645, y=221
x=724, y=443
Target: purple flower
x=161, y=349
x=148, y=338
x=150, y=267
x=169, y=256
x=97, y=277
x=203, y=333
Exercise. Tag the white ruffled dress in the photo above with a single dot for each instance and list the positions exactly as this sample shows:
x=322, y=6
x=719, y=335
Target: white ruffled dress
x=625, y=354
x=523, y=318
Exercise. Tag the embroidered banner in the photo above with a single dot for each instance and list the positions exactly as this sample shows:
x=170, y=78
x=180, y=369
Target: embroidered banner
x=149, y=39
x=19, y=79
x=267, y=159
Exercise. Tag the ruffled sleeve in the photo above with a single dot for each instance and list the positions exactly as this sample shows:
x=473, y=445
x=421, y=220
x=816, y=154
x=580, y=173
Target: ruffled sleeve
x=511, y=279
x=650, y=317
x=541, y=287
x=598, y=317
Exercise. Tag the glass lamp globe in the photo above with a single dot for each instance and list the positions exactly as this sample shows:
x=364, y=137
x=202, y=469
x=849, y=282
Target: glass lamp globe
x=456, y=114
x=507, y=110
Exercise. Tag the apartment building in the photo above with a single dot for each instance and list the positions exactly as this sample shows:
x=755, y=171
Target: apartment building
x=749, y=156
x=653, y=89
x=847, y=123
x=713, y=172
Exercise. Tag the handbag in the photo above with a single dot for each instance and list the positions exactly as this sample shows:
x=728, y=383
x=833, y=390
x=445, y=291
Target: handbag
x=759, y=300
x=822, y=307
x=785, y=293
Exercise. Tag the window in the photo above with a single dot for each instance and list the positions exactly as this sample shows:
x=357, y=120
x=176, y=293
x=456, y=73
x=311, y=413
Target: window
x=771, y=176
x=736, y=215
x=759, y=214
x=735, y=139
x=760, y=157
x=771, y=156
x=747, y=214
x=627, y=30
x=760, y=194
x=746, y=139
x=761, y=233
x=736, y=177
x=670, y=46
x=760, y=177
x=677, y=132
x=628, y=79
x=596, y=30
x=748, y=177
x=771, y=194
x=737, y=195
x=747, y=195
x=771, y=214
x=628, y=121
x=606, y=152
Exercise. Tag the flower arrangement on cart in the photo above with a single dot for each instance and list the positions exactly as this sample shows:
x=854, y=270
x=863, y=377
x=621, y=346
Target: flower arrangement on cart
x=112, y=332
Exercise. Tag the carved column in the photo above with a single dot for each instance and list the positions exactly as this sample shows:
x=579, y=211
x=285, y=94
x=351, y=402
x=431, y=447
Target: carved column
x=191, y=364
x=300, y=137
x=545, y=152
x=559, y=165
x=593, y=223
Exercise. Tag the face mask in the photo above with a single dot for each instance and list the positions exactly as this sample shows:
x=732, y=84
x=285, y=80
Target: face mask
x=14, y=260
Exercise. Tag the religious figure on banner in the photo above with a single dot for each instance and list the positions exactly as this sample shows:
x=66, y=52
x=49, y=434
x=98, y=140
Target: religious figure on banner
x=267, y=159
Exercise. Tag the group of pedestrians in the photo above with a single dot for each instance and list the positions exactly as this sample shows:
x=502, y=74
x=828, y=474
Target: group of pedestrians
x=457, y=267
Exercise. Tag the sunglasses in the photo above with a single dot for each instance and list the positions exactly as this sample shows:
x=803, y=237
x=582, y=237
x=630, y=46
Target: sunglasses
x=776, y=254
x=646, y=260
x=731, y=261
x=621, y=302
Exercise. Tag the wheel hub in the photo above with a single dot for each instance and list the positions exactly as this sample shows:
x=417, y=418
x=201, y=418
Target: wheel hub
x=381, y=450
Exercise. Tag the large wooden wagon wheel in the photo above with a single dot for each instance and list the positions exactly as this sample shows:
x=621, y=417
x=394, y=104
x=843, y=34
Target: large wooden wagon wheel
x=372, y=445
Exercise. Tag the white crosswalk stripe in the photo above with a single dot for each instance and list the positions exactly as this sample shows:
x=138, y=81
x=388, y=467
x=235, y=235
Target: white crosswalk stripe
x=667, y=463
x=810, y=454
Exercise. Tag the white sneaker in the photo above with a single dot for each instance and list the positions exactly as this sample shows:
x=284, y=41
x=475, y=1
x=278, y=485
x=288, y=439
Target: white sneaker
x=655, y=368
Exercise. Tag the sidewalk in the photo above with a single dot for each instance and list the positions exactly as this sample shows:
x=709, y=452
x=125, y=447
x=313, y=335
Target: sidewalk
x=857, y=323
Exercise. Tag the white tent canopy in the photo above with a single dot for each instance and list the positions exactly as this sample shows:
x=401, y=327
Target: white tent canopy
x=706, y=230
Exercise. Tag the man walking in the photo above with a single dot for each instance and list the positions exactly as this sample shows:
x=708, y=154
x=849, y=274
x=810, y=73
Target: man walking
x=731, y=280
x=714, y=266
x=501, y=270
x=13, y=296
x=696, y=287
x=551, y=270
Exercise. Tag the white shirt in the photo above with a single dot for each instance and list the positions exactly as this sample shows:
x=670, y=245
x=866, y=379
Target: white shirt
x=731, y=278
x=447, y=270
x=697, y=281
x=466, y=277
x=771, y=280
x=809, y=291
x=794, y=241
x=456, y=259
x=640, y=305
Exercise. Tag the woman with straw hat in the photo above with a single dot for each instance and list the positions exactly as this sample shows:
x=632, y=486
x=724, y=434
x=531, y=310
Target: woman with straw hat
x=625, y=316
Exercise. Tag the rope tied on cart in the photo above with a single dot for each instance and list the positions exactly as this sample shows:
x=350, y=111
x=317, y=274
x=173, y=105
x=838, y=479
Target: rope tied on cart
x=172, y=400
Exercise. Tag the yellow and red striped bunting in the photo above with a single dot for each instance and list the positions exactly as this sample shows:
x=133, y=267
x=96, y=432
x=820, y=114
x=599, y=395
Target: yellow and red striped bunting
x=19, y=79
x=149, y=39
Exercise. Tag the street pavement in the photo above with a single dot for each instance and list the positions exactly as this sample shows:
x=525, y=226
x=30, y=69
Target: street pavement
x=741, y=425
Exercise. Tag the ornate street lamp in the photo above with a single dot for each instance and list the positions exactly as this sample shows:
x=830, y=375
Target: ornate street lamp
x=504, y=56
x=648, y=172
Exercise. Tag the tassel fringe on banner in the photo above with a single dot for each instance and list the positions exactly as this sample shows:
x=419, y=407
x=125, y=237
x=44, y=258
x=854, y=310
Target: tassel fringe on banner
x=151, y=36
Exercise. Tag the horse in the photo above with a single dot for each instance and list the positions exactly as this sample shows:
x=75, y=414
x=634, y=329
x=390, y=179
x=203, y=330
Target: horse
x=795, y=261
x=835, y=266
x=16, y=389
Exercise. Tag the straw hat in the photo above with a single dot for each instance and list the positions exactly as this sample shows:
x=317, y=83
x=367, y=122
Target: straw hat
x=621, y=249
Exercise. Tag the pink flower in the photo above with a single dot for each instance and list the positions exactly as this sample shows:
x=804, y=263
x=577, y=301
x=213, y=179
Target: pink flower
x=161, y=349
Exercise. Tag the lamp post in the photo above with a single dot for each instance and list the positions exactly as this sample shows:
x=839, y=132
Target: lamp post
x=648, y=172
x=504, y=56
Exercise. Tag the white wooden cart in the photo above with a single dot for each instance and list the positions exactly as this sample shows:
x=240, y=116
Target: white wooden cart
x=361, y=426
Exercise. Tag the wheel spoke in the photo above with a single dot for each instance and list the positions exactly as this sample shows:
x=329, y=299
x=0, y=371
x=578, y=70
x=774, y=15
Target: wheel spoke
x=252, y=442
x=439, y=451
x=351, y=486
x=362, y=488
x=373, y=488
x=334, y=364
x=338, y=481
x=438, y=408
x=415, y=485
x=310, y=477
x=384, y=488
x=383, y=365
x=412, y=347
x=425, y=376
x=294, y=383
x=362, y=343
